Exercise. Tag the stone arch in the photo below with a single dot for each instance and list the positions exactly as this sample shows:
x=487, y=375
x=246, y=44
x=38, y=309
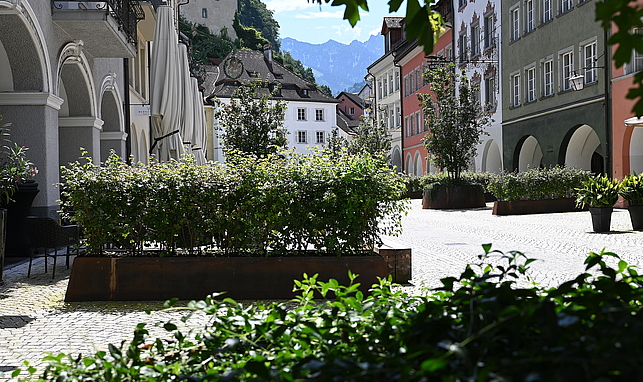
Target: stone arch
x=78, y=122
x=408, y=164
x=582, y=149
x=396, y=159
x=419, y=170
x=491, y=157
x=113, y=136
x=636, y=150
x=528, y=153
x=25, y=65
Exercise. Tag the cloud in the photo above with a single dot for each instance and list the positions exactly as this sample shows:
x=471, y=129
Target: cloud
x=320, y=15
x=279, y=6
x=375, y=31
x=346, y=32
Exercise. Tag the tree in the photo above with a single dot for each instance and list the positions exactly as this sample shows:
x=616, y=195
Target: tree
x=421, y=21
x=295, y=66
x=371, y=137
x=326, y=90
x=253, y=123
x=255, y=14
x=455, y=118
x=249, y=36
x=626, y=18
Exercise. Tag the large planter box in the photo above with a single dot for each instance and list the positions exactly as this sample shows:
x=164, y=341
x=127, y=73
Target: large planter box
x=193, y=278
x=543, y=206
x=454, y=197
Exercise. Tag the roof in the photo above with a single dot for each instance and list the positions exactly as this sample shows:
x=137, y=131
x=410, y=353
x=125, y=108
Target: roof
x=353, y=97
x=345, y=123
x=392, y=22
x=256, y=67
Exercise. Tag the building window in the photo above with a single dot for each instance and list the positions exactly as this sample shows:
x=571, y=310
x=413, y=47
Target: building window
x=636, y=63
x=546, y=10
x=531, y=84
x=301, y=114
x=204, y=13
x=412, y=82
x=302, y=137
x=488, y=32
x=406, y=86
x=319, y=114
x=448, y=52
x=490, y=92
x=398, y=116
x=462, y=46
x=391, y=119
x=565, y=5
x=566, y=69
x=351, y=111
x=475, y=40
x=515, y=90
x=397, y=81
x=320, y=137
x=529, y=15
x=379, y=89
x=515, y=24
x=548, y=78
x=390, y=82
x=417, y=122
x=462, y=3
x=385, y=82
x=406, y=127
x=418, y=78
x=589, y=58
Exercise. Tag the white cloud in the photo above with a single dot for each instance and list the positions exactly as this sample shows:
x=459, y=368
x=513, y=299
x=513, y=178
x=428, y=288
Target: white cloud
x=279, y=6
x=346, y=32
x=320, y=15
x=375, y=31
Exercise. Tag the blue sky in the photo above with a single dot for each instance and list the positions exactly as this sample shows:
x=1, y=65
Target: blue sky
x=308, y=22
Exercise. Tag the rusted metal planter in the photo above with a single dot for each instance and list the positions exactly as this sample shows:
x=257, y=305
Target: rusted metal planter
x=192, y=278
x=454, y=197
x=543, y=206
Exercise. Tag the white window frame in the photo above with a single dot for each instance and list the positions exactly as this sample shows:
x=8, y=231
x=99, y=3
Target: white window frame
x=514, y=13
x=475, y=39
x=317, y=115
x=565, y=6
x=547, y=10
x=462, y=47
x=636, y=62
x=515, y=89
x=490, y=91
x=488, y=31
x=302, y=134
x=530, y=78
x=351, y=111
x=530, y=22
x=548, y=76
x=320, y=137
x=385, y=82
x=566, y=59
x=301, y=114
x=397, y=81
x=588, y=57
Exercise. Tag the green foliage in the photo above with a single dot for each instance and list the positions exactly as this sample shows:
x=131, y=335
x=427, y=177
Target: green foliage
x=295, y=66
x=455, y=118
x=250, y=37
x=483, y=325
x=253, y=122
x=281, y=204
x=15, y=168
x=326, y=90
x=598, y=191
x=632, y=189
x=371, y=137
x=625, y=15
x=421, y=21
x=538, y=183
x=204, y=43
x=480, y=178
x=255, y=14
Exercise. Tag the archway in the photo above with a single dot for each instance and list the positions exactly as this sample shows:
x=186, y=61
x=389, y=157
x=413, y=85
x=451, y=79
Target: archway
x=636, y=150
x=491, y=158
x=530, y=155
x=408, y=164
x=584, y=150
x=419, y=170
x=396, y=159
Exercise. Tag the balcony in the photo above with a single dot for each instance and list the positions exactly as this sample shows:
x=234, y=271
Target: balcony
x=107, y=28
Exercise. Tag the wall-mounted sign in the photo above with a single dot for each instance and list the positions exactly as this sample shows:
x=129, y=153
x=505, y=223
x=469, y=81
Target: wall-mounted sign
x=141, y=110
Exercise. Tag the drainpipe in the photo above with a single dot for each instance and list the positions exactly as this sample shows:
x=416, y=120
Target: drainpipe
x=126, y=112
x=395, y=63
x=608, y=107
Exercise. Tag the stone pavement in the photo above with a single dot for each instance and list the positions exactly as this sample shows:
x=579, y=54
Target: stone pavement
x=34, y=319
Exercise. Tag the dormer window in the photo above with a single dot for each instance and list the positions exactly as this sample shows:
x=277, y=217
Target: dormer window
x=279, y=76
x=253, y=74
x=304, y=92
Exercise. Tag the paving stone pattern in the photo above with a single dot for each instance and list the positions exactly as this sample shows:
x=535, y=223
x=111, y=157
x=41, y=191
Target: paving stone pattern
x=35, y=320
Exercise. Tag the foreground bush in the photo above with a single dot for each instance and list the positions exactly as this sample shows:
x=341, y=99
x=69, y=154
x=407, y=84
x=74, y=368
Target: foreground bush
x=480, y=326
x=538, y=183
x=280, y=204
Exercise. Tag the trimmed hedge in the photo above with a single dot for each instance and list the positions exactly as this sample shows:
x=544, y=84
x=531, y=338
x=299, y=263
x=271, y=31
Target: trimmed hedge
x=538, y=183
x=281, y=204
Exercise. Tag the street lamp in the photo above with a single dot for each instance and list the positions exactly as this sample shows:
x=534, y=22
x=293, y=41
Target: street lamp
x=577, y=81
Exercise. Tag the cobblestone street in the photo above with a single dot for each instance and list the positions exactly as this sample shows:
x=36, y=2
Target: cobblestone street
x=34, y=319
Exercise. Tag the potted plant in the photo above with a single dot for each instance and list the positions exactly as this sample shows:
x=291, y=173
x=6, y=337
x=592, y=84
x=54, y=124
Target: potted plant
x=15, y=169
x=599, y=193
x=632, y=192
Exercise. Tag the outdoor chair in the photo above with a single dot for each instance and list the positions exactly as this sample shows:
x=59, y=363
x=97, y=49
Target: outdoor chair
x=46, y=233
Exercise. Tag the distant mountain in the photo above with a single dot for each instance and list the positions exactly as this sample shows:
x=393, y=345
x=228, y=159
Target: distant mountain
x=336, y=65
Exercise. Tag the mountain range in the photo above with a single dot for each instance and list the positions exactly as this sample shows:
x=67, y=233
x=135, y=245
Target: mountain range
x=335, y=64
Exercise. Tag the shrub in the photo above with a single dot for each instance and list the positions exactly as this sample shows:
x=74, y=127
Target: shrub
x=480, y=326
x=598, y=191
x=632, y=189
x=537, y=183
x=278, y=204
